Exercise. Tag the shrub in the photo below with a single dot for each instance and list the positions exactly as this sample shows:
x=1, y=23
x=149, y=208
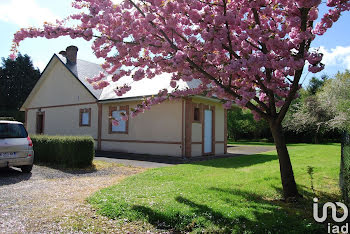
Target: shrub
x=67, y=151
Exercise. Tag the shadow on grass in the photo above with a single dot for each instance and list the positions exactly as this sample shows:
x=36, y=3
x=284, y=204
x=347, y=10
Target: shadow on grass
x=238, y=161
x=257, y=143
x=260, y=216
x=140, y=157
x=309, y=196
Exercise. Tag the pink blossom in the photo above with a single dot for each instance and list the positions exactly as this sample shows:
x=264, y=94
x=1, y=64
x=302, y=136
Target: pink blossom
x=13, y=56
x=262, y=97
x=224, y=50
x=124, y=118
x=315, y=58
x=115, y=122
x=280, y=103
x=313, y=14
x=173, y=84
x=228, y=105
x=97, y=78
x=120, y=91
x=100, y=84
x=317, y=68
x=139, y=75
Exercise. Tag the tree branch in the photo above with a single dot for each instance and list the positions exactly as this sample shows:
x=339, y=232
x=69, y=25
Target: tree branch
x=210, y=3
x=304, y=46
x=201, y=70
x=268, y=71
x=234, y=54
x=126, y=42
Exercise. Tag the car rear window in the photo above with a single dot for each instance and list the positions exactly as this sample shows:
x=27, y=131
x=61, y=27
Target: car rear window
x=9, y=130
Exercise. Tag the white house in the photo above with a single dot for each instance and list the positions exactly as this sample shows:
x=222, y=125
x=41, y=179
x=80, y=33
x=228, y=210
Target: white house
x=64, y=103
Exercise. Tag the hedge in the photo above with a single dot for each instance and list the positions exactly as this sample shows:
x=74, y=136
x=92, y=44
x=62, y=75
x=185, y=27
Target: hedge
x=67, y=151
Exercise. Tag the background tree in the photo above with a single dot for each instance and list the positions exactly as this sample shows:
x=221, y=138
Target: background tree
x=308, y=115
x=241, y=125
x=315, y=84
x=248, y=52
x=17, y=79
x=335, y=96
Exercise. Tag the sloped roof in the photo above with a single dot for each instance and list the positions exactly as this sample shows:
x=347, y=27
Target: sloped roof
x=83, y=70
x=139, y=89
x=145, y=87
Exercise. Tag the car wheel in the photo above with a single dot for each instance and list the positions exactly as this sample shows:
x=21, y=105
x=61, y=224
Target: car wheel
x=26, y=169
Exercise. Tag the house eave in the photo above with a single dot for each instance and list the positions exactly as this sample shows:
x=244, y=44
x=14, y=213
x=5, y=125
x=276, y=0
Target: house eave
x=127, y=99
x=138, y=98
x=212, y=99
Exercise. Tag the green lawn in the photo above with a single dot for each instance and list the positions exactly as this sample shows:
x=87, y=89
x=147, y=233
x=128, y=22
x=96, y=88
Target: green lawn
x=240, y=195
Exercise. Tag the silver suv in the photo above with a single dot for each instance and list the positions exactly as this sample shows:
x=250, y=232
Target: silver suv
x=16, y=147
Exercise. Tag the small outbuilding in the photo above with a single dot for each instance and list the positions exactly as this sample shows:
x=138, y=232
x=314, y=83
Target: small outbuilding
x=64, y=103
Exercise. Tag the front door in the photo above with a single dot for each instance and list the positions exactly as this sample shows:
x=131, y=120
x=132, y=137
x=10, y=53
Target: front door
x=40, y=123
x=208, y=129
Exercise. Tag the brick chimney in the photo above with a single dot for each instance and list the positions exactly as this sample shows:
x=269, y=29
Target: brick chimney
x=71, y=54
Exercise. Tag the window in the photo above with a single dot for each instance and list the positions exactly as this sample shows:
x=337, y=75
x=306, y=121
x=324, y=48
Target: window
x=8, y=130
x=116, y=113
x=85, y=117
x=196, y=114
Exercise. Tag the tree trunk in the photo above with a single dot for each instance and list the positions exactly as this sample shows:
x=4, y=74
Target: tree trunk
x=316, y=141
x=290, y=190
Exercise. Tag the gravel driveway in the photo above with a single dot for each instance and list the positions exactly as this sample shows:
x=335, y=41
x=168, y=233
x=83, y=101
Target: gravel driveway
x=47, y=199
x=53, y=200
x=248, y=149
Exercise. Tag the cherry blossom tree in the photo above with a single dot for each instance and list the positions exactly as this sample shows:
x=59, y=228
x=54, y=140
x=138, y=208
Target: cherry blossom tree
x=247, y=52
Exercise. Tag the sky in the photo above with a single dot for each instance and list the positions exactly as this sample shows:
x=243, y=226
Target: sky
x=16, y=14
